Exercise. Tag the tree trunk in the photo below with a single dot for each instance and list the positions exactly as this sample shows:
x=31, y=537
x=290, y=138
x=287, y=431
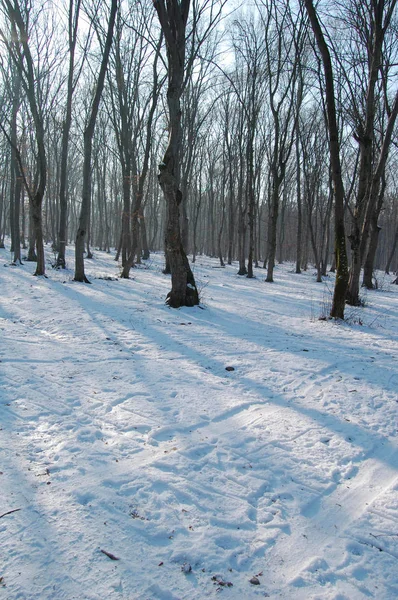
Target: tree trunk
x=184, y=222
x=183, y=288
x=370, y=258
x=380, y=16
x=38, y=230
x=368, y=267
x=221, y=228
x=126, y=215
x=299, y=211
x=144, y=238
x=137, y=213
x=2, y=203
x=28, y=81
x=88, y=144
x=391, y=255
x=173, y=19
x=32, y=256
x=242, y=242
x=231, y=219
x=272, y=229
x=63, y=201
x=341, y=284
x=17, y=206
x=251, y=200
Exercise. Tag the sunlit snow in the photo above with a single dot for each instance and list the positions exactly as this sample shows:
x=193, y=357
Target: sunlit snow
x=123, y=436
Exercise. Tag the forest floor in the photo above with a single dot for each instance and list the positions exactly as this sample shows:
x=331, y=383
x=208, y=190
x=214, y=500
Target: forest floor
x=123, y=435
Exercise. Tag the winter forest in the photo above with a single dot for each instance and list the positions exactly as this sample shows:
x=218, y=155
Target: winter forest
x=222, y=104
x=217, y=412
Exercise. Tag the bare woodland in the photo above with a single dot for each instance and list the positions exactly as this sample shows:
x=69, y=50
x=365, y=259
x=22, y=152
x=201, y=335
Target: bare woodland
x=255, y=132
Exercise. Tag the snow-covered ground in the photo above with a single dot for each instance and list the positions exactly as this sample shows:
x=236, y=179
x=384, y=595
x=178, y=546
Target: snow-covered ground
x=122, y=432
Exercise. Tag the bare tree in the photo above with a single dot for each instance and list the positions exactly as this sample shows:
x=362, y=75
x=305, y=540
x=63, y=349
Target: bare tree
x=132, y=50
x=137, y=132
x=88, y=144
x=173, y=18
x=340, y=288
x=73, y=23
x=367, y=24
x=375, y=199
x=16, y=185
x=282, y=64
x=250, y=45
x=34, y=77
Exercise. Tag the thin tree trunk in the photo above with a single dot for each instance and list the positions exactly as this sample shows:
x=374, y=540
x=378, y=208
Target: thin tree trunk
x=272, y=229
x=38, y=229
x=221, y=229
x=23, y=219
x=139, y=188
x=341, y=285
x=299, y=210
x=28, y=81
x=32, y=256
x=17, y=206
x=251, y=201
x=367, y=182
x=391, y=255
x=144, y=238
x=88, y=146
x=63, y=199
x=368, y=267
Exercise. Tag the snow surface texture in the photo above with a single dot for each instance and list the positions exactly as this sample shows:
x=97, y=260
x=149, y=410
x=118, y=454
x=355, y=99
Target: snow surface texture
x=122, y=435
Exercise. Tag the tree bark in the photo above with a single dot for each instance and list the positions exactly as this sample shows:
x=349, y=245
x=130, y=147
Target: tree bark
x=340, y=288
x=63, y=200
x=88, y=147
x=366, y=198
x=173, y=19
x=137, y=213
x=392, y=252
x=374, y=232
x=15, y=183
x=272, y=227
x=24, y=64
x=299, y=202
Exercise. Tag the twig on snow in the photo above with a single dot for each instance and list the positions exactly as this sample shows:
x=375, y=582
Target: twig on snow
x=10, y=512
x=109, y=555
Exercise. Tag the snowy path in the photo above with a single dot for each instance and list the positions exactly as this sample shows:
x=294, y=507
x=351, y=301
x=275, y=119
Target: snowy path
x=121, y=430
